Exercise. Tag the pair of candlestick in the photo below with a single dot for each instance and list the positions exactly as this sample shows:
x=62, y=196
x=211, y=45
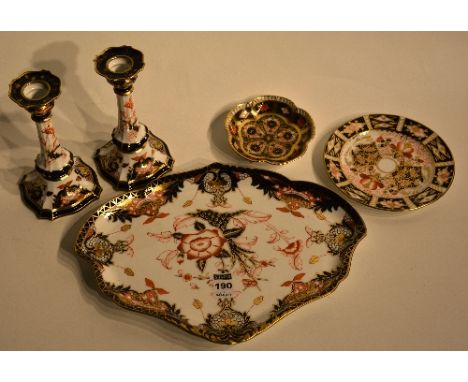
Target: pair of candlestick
x=62, y=183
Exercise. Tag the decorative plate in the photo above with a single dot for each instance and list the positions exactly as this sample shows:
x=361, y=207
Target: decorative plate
x=269, y=129
x=222, y=252
x=389, y=162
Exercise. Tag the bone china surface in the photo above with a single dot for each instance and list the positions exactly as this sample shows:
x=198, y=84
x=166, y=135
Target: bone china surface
x=269, y=129
x=389, y=162
x=61, y=183
x=222, y=252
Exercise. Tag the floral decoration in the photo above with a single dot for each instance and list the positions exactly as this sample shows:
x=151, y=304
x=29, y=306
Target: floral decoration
x=389, y=162
x=269, y=129
x=213, y=268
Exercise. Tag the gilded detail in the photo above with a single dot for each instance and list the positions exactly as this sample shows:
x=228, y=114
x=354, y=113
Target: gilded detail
x=246, y=248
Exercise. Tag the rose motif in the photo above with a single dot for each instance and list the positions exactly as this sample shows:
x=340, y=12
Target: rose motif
x=201, y=245
x=148, y=206
x=334, y=170
x=48, y=130
x=443, y=176
x=298, y=287
x=417, y=131
x=391, y=204
x=371, y=182
x=352, y=127
x=145, y=167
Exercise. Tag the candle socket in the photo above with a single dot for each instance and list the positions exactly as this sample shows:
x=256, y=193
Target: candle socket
x=134, y=156
x=61, y=183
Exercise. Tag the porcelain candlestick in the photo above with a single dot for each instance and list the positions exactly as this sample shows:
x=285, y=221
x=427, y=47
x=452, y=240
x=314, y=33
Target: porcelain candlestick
x=134, y=156
x=61, y=183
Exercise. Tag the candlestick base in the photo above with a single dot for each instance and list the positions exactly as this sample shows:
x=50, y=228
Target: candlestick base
x=128, y=168
x=60, y=194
